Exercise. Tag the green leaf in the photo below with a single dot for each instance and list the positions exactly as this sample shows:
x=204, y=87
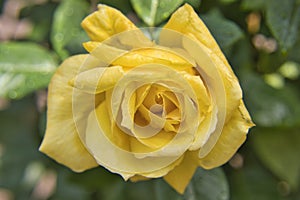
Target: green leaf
x=294, y=52
x=283, y=19
x=269, y=106
x=24, y=67
x=253, y=4
x=208, y=185
x=205, y=185
x=164, y=191
x=18, y=147
x=95, y=179
x=227, y=1
x=153, y=12
x=225, y=31
x=195, y=3
x=65, y=189
x=129, y=191
x=123, y=6
x=278, y=150
x=41, y=18
x=252, y=181
x=67, y=35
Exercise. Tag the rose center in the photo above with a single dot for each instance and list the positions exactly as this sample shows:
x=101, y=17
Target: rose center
x=157, y=109
x=158, y=103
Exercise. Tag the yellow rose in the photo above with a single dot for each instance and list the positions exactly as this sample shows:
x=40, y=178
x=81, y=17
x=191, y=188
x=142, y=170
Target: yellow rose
x=146, y=109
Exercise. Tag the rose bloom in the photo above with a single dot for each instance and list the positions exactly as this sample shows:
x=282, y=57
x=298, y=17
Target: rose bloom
x=146, y=109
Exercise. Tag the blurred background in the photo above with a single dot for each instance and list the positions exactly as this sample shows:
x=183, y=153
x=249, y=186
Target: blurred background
x=261, y=40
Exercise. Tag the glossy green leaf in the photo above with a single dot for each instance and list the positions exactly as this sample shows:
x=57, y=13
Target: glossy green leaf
x=67, y=35
x=24, y=67
x=277, y=149
x=283, y=19
x=225, y=31
x=153, y=12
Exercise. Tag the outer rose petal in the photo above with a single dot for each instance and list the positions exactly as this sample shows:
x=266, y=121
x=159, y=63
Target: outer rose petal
x=232, y=137
x=181, y=175
x=105, y=23
x=61, y=141
x=97, y=80
x=108, y=22
x=158, y=173
x=187, y=22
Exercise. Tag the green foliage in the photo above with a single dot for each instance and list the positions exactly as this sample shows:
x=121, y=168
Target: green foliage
x=213, y=183
x=17, y=141
x=265, y=56
x=253, y=181
x=195, y=3
x=24, y=67
x=154, y=12
x=67, y=35
x=277, y=149
x=205, y=185
x=225, y=31
x=41, y=17
x=283, y=18
x=124, y=6
x=280, y=106
x=253, y=4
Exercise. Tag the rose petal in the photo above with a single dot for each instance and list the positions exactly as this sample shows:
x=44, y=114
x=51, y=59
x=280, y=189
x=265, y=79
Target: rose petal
x=91, y=45
x=156, y=55
x=107, y=54
x=61, y=141
x=108, y=22
x=158, y=173
x=187, y=22
x=141, y=94
x=97, y=80
x=233, y=136
x=208, y=117
x=110, y=156
x=122, y=102
x=217, y=90
x=181, y=175
x=156, y=142
x=200, y=90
